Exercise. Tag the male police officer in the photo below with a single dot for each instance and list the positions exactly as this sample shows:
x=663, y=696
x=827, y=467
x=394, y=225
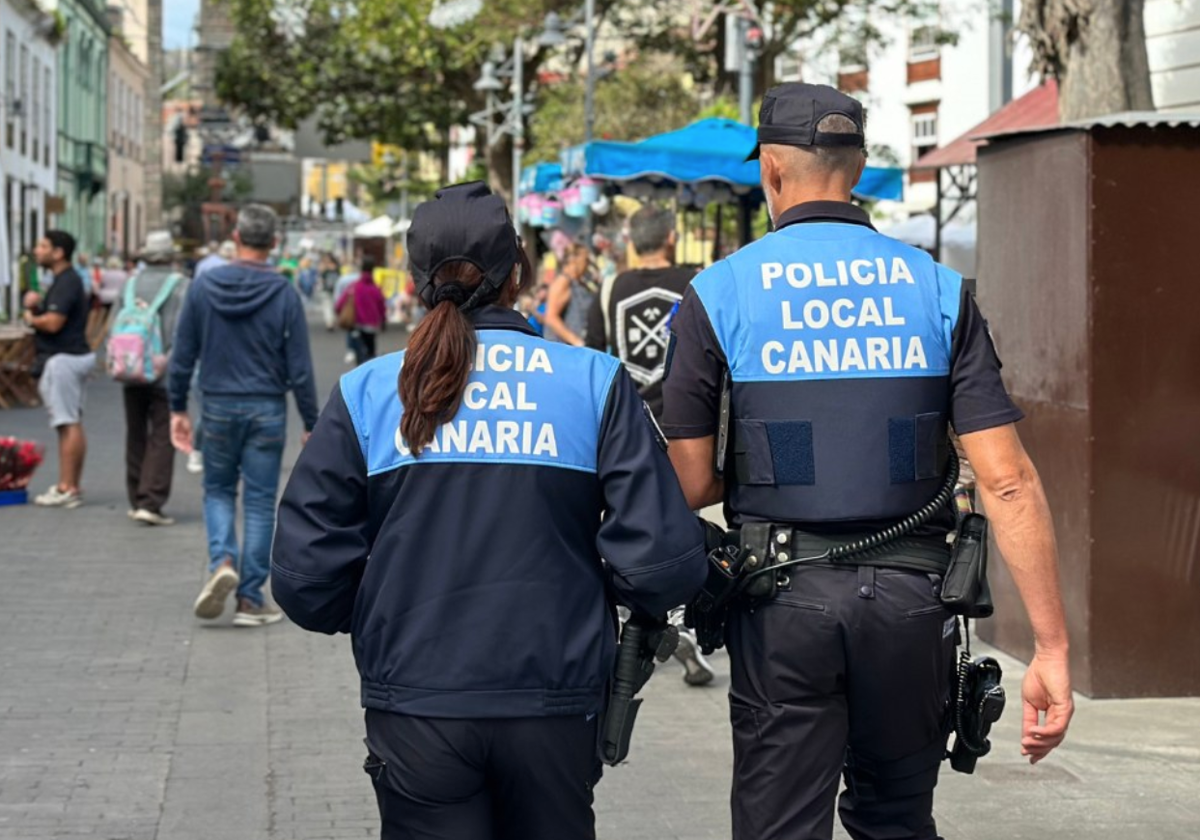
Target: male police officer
x=849, y=353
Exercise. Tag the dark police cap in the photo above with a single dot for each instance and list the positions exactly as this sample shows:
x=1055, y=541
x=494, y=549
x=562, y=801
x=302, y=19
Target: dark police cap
x=791, y=112
x=465, y=222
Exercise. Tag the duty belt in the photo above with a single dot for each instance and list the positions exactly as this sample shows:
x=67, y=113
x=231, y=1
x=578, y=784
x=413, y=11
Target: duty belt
x=782, y=542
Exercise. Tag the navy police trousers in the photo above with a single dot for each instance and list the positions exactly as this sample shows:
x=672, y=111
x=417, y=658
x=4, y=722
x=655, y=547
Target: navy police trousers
x=846, y=674
x=489, y=779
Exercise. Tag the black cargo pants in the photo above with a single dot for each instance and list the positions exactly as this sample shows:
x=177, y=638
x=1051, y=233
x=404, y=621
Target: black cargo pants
x=846, y=674
x=485, y=779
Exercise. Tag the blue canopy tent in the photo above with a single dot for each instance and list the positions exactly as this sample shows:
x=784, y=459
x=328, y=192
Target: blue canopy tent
x=709, y=151
x=541, y=178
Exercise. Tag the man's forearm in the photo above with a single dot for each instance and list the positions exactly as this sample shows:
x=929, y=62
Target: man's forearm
x=1024, y=531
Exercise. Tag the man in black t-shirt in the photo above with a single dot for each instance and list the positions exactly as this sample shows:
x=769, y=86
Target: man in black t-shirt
x=631, y=315
x=64, y=360
x=629, y=319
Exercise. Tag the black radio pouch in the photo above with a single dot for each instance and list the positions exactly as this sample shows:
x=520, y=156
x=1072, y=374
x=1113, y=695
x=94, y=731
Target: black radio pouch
x=965, y=589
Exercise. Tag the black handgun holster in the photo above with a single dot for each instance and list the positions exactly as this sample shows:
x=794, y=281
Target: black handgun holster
x=965, y=589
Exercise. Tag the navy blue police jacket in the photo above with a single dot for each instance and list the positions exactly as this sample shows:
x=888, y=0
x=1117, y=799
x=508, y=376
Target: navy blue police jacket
x=470, y=576
x=850, y=354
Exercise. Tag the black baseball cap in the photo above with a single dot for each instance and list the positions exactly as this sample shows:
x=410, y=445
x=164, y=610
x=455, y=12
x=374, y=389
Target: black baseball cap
x=790, y=114
x=465, y=222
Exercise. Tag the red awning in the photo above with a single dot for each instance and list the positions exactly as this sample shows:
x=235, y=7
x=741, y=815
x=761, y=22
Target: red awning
x=1036, y=109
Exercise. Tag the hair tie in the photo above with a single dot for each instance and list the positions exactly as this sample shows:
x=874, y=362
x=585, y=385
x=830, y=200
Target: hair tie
x=456, y=293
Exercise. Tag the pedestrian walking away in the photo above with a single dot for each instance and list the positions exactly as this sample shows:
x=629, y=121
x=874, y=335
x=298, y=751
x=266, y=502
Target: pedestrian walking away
x=629, y=319
x=367, y=310
x=64, y=361
x=217, y=256
x=244, y=324
x=843, y=357
x=570, y=297
x=139, y=349
x=456, y=534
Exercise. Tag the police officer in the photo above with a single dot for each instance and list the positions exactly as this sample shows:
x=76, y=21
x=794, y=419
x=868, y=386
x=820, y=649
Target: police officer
x=456, y=534
x=849, y=354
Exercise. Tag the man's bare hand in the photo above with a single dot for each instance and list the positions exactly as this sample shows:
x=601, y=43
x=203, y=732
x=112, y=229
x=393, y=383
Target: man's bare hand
x=1045, y=690
x=181, y=431
x=32, y=300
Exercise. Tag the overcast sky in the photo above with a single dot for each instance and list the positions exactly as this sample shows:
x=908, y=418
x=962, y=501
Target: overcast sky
x=178, y=18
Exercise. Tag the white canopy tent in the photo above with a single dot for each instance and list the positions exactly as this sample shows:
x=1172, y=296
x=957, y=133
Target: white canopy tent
x=958, y=240
x=378, y=228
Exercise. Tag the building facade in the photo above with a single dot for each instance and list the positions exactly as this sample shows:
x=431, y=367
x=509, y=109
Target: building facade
x=28, y=128
x=128, y=77
x=83, y=123
x=1173, y=46
x=930, y=79
x=216, y=32
x=925, y=81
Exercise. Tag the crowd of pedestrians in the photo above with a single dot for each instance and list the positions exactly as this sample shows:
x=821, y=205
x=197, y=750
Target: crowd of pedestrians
x=204, y=364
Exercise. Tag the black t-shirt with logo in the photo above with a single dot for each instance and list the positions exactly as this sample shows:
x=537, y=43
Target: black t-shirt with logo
x=635, y=328
x=67, y=297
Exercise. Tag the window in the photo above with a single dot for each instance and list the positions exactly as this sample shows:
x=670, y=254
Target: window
x=923, y=43
x=852, y=58
x=10, y=84
x=924, y=131
x=24, y=99
x=47, y=98
x=33, y=111
x=788, y=68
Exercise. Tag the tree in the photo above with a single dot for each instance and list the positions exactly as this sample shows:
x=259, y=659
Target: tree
x=648, y=97
x=700, y=40
x=1097, y=51
x=367, y=68
x=183, y=194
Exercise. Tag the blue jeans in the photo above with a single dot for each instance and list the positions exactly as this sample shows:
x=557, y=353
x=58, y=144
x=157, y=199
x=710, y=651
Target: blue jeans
x=243, y=438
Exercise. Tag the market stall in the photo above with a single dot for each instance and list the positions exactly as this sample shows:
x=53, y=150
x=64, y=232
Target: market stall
x=700, y=165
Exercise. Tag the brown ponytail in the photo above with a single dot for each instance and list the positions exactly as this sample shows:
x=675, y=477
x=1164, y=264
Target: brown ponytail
x=440, y=354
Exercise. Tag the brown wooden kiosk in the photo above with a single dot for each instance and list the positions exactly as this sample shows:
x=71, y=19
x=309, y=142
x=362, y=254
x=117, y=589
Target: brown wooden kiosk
x=1089, y=275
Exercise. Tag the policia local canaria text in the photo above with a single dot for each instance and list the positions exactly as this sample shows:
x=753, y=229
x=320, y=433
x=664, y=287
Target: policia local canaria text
x=849, y=353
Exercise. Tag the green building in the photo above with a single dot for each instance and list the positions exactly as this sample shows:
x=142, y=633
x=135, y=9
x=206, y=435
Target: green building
x=83, y=122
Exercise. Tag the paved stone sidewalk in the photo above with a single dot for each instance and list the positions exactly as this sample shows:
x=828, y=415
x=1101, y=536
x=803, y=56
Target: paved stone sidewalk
x=124, y=718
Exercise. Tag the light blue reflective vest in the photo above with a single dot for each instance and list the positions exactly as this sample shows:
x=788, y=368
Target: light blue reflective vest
x=838, y=341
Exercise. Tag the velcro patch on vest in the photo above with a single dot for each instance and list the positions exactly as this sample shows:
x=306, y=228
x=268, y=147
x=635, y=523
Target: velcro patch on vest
x=913, y=444
x=902, y=449
x=774, y=452
x=792, y=451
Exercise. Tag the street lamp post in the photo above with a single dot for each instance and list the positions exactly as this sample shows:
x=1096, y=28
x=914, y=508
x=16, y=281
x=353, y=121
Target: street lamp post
x=518, y=116
x=514, y=122
x=553, y=36
x=589, y=97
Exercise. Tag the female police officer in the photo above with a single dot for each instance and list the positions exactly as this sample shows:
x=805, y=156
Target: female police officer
x=456, y=534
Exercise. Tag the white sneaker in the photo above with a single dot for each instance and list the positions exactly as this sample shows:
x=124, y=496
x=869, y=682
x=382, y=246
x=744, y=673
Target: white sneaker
x=195, y=462
x=349, y=357
x=697, y=671
x=248, y=615
x=220, y=586
x=151, y=518
x=57, y=498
